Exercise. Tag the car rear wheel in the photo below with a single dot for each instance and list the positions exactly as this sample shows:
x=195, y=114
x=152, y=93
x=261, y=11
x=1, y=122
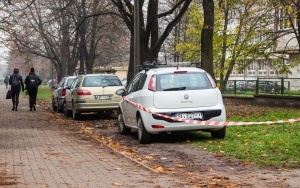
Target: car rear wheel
x=58, y=109
x=143, y=136
x=121, y=125
x=54, y=107
x=65, y=110
x=75, y=115
x=220, y=134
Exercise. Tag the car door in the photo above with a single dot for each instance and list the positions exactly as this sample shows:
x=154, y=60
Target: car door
x=69, y=95
x=133, y=89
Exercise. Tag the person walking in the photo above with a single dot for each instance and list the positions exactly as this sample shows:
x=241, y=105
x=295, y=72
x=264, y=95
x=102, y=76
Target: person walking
x=6, y=80
x=16, y=83
x=32, y=81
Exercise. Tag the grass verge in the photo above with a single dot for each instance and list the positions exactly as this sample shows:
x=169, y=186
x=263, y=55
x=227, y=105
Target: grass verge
x=44, y=92
x=274, y=145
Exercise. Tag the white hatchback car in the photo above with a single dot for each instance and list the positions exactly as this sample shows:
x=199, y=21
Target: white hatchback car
x=156, y=98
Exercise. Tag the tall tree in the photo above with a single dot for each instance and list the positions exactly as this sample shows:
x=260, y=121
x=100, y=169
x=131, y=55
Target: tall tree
x=152, y=36
x=207, y=37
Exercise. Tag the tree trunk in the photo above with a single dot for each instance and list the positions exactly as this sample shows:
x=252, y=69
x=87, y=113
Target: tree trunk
x=207, y=37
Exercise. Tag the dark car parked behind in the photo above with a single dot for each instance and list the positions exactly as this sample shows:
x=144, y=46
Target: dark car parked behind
x=60, y=91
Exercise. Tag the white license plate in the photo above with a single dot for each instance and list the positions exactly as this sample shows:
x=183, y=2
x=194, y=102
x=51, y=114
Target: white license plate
x=196, y=115
x=102, y=97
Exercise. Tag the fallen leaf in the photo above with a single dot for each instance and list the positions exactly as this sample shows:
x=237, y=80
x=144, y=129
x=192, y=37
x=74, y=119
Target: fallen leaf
x=115, y=183
x=180, y=166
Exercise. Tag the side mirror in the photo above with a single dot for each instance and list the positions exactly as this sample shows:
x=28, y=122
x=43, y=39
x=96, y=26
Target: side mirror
x=121, y=92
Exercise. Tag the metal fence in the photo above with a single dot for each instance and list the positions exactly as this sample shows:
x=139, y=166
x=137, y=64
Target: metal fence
x=275, y=86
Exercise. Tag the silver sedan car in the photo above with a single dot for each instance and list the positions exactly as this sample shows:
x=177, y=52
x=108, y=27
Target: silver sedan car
x=92, y=93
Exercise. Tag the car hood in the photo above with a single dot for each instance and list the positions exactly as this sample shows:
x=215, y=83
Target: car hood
x=185, y=99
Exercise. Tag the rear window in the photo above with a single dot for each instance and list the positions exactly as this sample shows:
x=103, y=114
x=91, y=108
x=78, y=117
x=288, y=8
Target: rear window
x=70, y=81
x=183, y=81
x=101, y=81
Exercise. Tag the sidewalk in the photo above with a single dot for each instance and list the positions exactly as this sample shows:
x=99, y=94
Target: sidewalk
x=34, y=152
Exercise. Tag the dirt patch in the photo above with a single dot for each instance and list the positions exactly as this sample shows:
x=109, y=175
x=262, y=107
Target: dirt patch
x=172, y=153
x=6, y=179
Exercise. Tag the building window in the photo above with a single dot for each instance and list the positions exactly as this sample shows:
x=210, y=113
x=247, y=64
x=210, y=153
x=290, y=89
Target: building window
x=262, y=68
x=251, y=68
x=284, y=19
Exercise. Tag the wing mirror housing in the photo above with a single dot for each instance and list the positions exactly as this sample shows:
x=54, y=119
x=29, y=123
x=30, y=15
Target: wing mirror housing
x=121, y=92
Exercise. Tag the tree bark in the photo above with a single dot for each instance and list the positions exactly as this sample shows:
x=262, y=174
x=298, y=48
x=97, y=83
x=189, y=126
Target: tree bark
x=207, y=37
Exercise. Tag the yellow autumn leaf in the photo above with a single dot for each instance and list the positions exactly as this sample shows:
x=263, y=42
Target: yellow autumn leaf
x=159, y=168
x=180, y=166
x=115, y=183
x=148, y=157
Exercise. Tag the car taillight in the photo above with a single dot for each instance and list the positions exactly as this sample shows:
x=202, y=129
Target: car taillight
x=63, y=92
x=152, y=83
x=83, y=92
x=213, y=83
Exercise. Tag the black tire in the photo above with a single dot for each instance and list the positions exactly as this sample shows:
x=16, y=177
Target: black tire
x=143, y=136
x=219, y=134
x=65, y=110
x=75, y=115
x=58, y=109
x=121, y=125
x=54, y=107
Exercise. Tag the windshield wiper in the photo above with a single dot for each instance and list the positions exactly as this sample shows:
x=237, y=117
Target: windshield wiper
x=175, y=89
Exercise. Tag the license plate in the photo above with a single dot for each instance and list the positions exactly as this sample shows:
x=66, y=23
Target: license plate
x=196, y=115
x=102, y=97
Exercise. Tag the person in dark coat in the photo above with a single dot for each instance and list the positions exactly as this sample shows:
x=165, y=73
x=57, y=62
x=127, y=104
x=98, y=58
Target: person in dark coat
x=16, y=84
x=6, y=80
x=32, y=81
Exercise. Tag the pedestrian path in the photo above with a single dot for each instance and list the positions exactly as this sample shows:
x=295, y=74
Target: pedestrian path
x=35, y=152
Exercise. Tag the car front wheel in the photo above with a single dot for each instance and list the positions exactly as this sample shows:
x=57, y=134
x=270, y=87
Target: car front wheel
x=121, y=125
x=220, y=134
x=54, y=107
x=143, y=136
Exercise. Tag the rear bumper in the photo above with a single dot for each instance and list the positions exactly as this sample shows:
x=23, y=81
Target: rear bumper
x=87, y=107
x=168, y=125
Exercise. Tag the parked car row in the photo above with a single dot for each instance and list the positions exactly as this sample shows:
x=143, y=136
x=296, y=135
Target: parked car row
x=157, y=100
x=87, y=93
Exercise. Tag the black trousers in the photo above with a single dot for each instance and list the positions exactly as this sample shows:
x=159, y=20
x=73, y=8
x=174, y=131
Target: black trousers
x=32, y=92
x=15, y=93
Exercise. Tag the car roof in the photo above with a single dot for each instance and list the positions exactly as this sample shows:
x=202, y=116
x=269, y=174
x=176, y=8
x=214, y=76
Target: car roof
x=100, y=74
x=160, y=70
x=70, y=76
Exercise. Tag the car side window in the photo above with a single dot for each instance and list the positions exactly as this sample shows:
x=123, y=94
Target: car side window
x=74, y=83
x=78, y=81
x=61, y=83
x=141, y=82
x=132, y=87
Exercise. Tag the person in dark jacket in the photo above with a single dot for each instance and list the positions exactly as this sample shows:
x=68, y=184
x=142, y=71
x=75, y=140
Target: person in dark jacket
x=32, y=81
x=6, y=80
x=16, y=84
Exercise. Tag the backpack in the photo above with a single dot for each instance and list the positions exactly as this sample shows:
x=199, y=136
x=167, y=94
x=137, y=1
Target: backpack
x=32, y=81
x=15, y=81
